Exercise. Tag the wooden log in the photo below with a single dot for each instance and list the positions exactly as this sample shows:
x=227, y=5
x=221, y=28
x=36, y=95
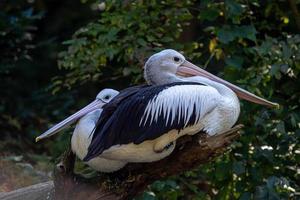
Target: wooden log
x=190, y=152
x=33, y=192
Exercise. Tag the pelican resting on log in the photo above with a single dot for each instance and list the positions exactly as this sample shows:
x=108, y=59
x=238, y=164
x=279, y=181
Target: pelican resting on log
x=142, y=123
x=87, y=118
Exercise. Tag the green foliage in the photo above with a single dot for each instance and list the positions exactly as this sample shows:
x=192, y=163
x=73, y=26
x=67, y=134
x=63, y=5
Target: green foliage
x=117, y=44
x=29, y=44
x=255, y=44
x=16, y=35
x=16, y=41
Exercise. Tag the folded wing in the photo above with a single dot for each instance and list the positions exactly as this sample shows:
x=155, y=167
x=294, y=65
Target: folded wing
x=146, y=112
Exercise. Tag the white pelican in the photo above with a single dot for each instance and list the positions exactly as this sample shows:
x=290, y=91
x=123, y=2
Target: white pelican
x=142, y=123
x=82, y=135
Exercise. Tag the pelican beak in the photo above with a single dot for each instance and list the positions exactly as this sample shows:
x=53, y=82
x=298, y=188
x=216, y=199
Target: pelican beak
x=188, y=69
x=71, y=119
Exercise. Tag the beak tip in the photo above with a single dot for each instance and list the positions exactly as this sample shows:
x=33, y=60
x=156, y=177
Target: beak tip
x=37, y=139
x=277, y=106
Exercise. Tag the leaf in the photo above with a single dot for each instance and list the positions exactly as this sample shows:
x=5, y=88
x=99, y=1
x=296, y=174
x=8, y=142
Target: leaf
x=281, y=127
x=171, y=183
x=234, y=61
x=212, y=45
x=286, y=51
x=147, y=196
x=209, y=14
x=234, y=10
x=248, y=32
x=158, y=185
x=225, y=34
x=275, y=69
x=245, y=196
x=238, y=168
x=222, y=171
x=265, y=47
x=284, y=68
x=141, y=42
x=261, y=193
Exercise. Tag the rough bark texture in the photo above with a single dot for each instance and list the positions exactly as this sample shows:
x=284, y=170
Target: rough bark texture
x=33, y=192
x=190, y=152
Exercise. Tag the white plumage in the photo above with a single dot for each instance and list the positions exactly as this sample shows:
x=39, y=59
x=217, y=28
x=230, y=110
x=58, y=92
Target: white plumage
x=181, y=100
x=81, y=140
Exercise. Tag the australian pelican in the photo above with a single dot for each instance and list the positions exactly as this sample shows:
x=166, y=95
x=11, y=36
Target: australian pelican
x=142, y=123
x=82, y=135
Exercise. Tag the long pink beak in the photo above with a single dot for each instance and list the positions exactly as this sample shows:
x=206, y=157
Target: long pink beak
x=71, y=119
x=189, y=69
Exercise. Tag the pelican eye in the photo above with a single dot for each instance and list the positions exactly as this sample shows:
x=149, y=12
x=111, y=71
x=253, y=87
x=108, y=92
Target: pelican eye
x=106, y=97
x=176, y=59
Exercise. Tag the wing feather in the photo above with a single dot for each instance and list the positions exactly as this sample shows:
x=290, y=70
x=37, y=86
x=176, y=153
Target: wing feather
x=147, y=112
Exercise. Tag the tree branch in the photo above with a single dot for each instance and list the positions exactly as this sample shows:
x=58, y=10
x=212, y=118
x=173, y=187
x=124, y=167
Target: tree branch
x=33, y=192
x=190, y=152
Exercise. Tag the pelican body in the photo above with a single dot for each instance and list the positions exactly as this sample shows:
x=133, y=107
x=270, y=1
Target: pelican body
x=81, y=140
x=82, y=135
x=142, y=123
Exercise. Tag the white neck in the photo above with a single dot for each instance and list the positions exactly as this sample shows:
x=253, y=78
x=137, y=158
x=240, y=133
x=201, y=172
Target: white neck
x=161, y=78
x=222, y=89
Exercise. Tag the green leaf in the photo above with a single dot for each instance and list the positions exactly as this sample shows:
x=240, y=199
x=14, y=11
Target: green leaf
x=281, y=127
x=261, y=193
x=222, y=171
x=265, y=47
x=275, y=70
x=286, y=51
x=209, y=14
x=238, y=168
x=245, y=196
x=141, y=42
x=147, y=196
x=234, y=10
x=226, y=34
x=248, y=32
x=234, y=61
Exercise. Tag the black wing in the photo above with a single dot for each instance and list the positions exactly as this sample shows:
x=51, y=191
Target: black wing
x=120, y=120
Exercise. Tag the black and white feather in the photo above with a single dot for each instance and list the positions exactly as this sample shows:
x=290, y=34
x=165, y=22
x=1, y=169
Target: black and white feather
x=144, y=113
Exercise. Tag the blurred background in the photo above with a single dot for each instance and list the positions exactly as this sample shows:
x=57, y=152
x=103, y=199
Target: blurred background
x=56, y=56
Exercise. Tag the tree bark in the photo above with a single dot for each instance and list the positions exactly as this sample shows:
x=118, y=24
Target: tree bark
x=33, y=192
x=190, y=152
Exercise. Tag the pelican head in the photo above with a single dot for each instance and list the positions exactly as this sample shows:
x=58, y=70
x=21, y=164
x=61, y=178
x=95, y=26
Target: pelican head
x=162, y=67
x=170, y=66
x=106, y=95
x=103, y=97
